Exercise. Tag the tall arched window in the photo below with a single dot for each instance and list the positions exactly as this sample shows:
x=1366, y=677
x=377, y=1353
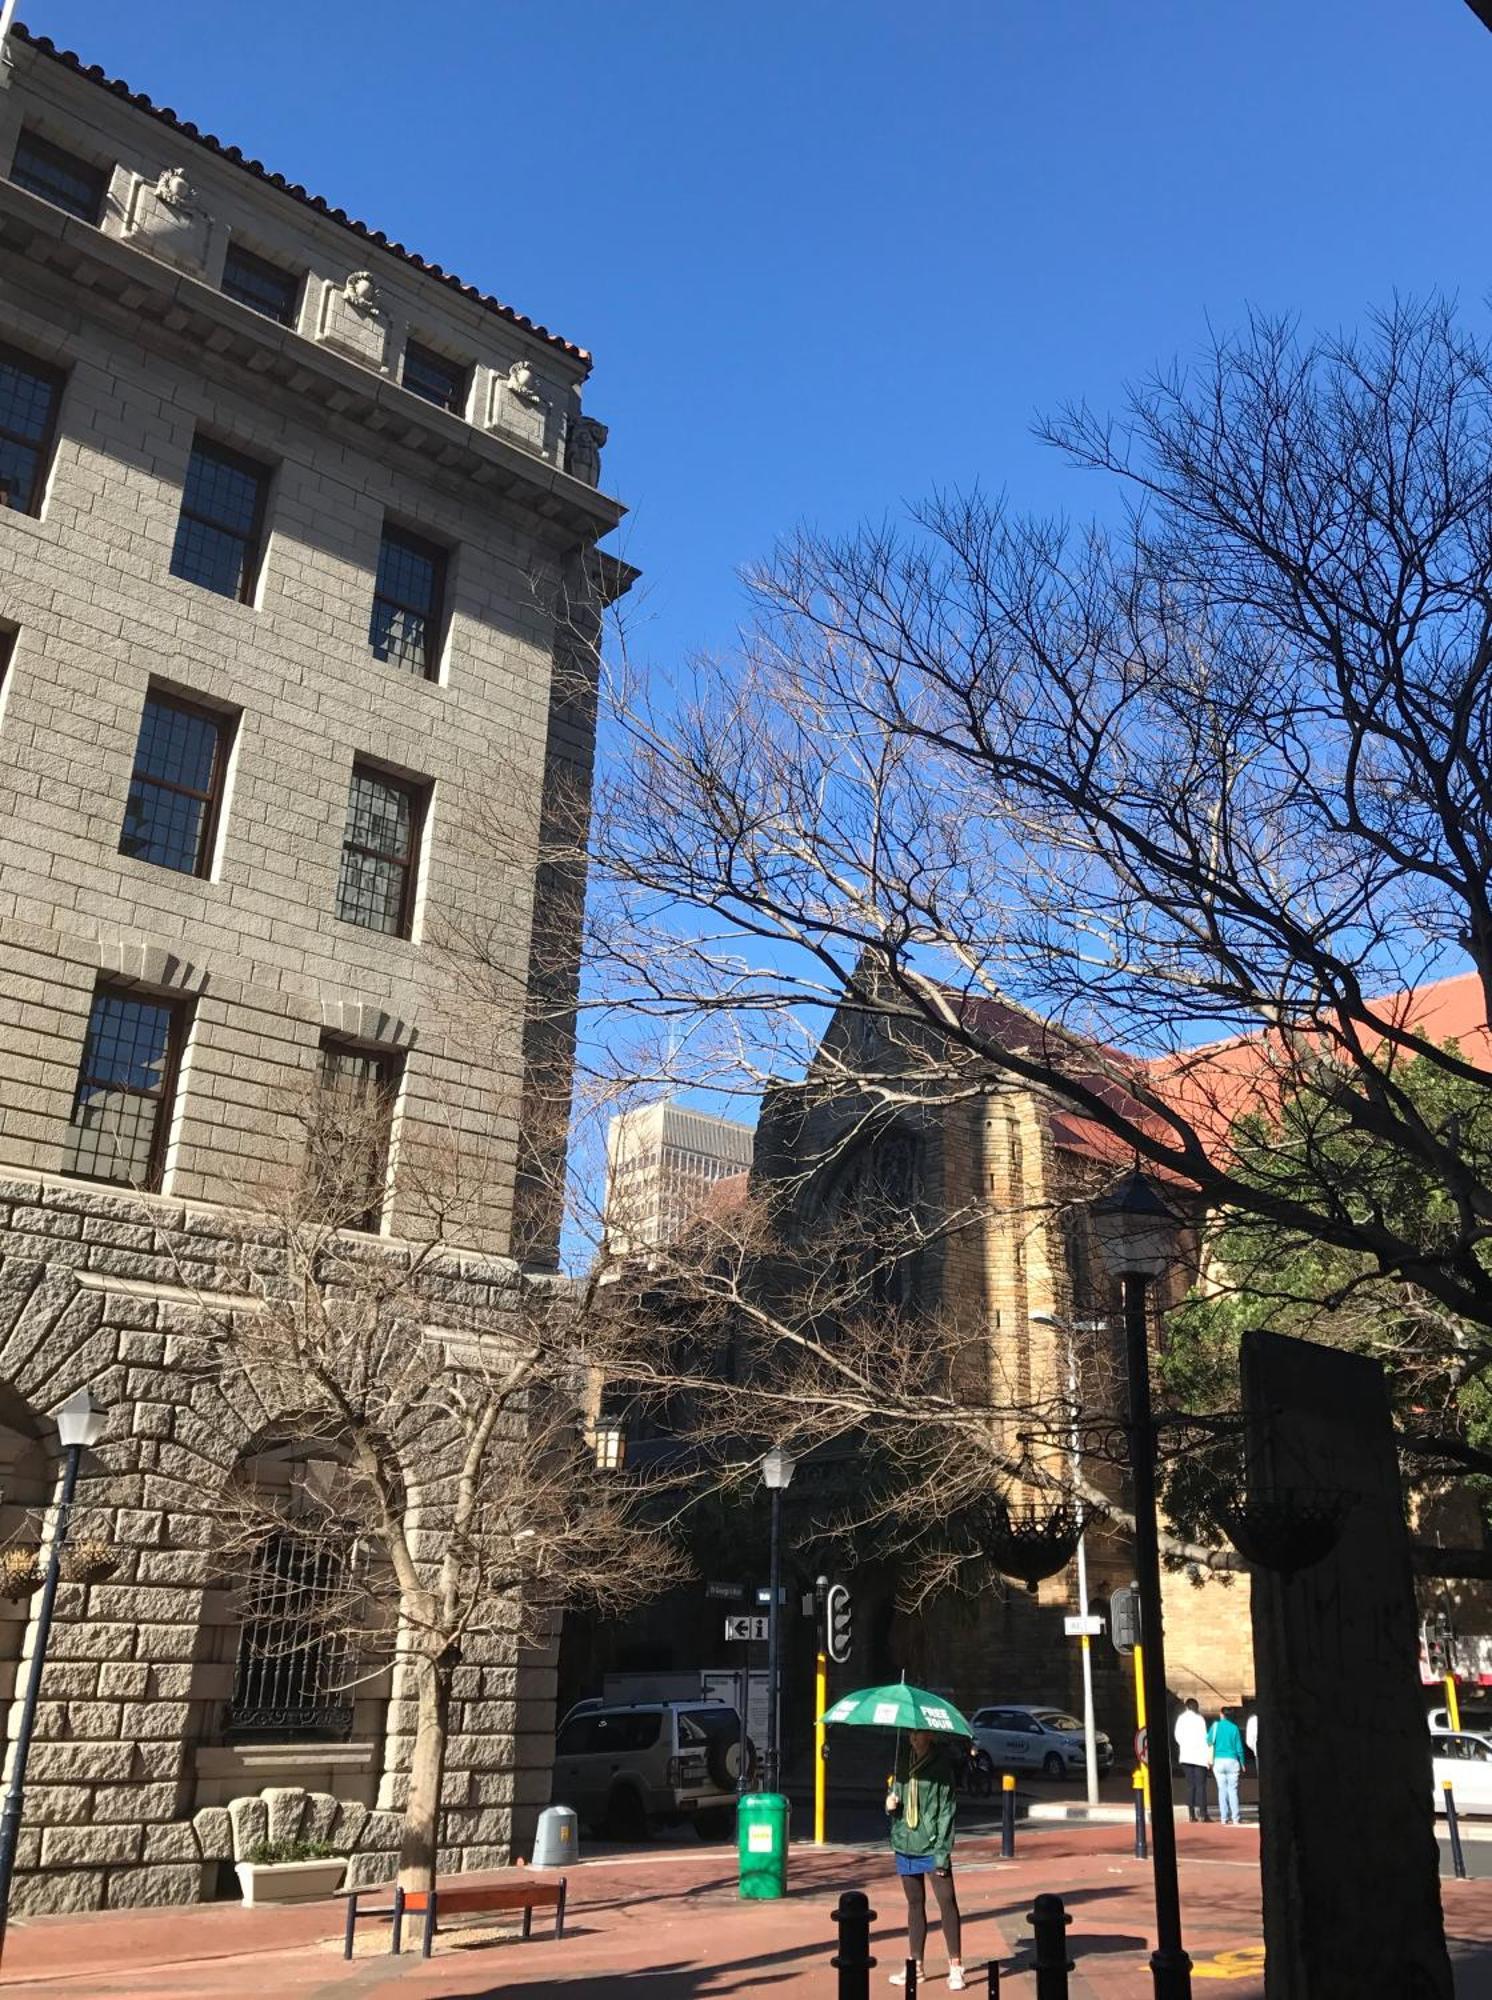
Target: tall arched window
x=292, y=1677
x=875, y=1203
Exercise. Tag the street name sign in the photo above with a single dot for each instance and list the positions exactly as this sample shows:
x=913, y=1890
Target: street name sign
x=1090, y=1627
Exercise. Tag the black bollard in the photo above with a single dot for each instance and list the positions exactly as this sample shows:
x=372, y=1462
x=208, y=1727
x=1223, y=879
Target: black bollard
x=1453, y=1827
x=994, y=1981
x=1007, y=1818
x=853, y=1961
x=1142, y=1849
x=1049, y=1921
x=910, y=1977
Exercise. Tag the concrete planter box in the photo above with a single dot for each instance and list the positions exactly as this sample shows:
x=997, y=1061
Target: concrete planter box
x=288, y=1881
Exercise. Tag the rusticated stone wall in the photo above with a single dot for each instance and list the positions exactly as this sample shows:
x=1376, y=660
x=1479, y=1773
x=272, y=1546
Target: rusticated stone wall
x=131, y=1786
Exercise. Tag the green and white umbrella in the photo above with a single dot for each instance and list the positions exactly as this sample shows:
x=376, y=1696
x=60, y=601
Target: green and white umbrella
x=897, y=1707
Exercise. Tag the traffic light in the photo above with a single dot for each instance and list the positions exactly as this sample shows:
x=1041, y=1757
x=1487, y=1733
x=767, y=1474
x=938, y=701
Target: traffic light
x=1124, y=1618
x=838, y=1623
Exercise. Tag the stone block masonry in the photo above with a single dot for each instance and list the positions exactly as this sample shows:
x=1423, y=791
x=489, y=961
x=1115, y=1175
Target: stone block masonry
x=136, y=359
x=135, y=1791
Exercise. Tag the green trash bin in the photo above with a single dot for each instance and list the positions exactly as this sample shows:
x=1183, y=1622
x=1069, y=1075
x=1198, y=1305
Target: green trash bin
x=761, y=1836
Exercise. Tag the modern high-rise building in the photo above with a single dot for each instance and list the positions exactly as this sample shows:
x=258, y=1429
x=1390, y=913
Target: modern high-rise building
x=662, y=1161
x=298, y=596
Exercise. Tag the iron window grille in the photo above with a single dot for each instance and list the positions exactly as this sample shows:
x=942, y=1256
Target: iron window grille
x=121, y=1112
x=380, y=850
x=291, y=1675
x=222, y=519
x=30, y=395
x=439, y=381
x=407, y=598
x=255, y=282
x=352, y=1132
x=59, y=177
x=176, y=789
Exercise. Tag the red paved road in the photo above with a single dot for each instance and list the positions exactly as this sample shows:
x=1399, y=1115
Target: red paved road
x=669, y=1926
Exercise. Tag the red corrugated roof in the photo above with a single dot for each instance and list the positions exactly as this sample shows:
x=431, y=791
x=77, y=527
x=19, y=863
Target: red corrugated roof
x=235, y=157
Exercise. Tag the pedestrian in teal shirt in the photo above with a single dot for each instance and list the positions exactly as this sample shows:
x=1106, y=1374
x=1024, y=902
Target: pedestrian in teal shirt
x=1225, y=1740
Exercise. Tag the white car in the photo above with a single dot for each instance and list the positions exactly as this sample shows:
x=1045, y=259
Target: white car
x=1036, y=1739
x=1462, y=1760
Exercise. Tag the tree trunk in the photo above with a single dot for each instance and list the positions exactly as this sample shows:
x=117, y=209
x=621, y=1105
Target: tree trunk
x=420, y=1845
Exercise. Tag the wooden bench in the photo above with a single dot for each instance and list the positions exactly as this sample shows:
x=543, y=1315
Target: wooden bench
x=458, y=1899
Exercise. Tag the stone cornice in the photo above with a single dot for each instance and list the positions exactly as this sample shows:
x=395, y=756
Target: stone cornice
x=564, y=512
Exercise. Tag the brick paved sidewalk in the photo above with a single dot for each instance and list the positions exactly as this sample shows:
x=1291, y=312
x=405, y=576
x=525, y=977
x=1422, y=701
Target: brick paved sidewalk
x=669, y=1925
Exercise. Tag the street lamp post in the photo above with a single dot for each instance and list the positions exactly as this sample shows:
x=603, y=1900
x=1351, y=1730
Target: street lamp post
x=1136, y=1235
x=80, y=1424
x=1074, y=1452
x=777, y=1473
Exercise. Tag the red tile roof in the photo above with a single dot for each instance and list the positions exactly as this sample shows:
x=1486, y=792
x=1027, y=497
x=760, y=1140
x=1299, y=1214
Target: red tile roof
x=235, y=157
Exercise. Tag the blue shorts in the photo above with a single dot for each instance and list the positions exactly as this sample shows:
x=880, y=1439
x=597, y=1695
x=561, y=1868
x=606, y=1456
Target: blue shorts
x=915, y=1864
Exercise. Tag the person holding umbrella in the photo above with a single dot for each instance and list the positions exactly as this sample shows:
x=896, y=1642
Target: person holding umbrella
x=922, y=1805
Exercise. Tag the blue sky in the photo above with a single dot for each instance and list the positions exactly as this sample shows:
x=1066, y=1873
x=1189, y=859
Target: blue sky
x=832, y=254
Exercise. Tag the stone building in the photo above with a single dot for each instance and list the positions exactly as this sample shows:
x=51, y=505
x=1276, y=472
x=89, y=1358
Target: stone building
x=1002, y=1174
x=298, y=589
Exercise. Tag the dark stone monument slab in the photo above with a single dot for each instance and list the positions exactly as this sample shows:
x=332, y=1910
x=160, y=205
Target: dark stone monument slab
x=1350, y=1866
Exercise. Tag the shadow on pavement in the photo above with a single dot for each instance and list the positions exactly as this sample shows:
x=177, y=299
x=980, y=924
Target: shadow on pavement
x=674, y=1982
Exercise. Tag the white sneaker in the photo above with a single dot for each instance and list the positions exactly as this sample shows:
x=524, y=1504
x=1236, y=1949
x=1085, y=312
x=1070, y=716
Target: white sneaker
x=900, y=1978
x=956, y=1980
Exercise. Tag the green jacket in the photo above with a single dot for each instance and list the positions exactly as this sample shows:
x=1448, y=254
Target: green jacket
x=928, y=1803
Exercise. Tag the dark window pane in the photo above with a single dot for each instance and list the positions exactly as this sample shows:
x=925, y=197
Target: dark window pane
x=292, y=1678
x=217, y=535
x=59, y=177
x=264, y=286
x=210, y=556
x=124, y=1081
x=28, y=406
x=173, y=791
x=406, y=602
x=19, y=464
x=222, y=489
x=377, y=854
x=439, y=381
x=350, y=1133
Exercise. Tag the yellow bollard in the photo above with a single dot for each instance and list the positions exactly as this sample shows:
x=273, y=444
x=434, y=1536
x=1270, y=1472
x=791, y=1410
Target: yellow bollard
x=1452, y=1703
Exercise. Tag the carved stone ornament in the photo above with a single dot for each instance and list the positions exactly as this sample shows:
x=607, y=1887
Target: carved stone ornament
x=166, y=218
x=521, y=381
x=583, y=449
x=361, y=291
x=175, y=189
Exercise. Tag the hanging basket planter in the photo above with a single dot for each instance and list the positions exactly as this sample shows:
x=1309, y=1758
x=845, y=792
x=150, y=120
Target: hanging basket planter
x=1287, y=1531
x=20, y=1573
x=1032, y=1545
x=90, y=1562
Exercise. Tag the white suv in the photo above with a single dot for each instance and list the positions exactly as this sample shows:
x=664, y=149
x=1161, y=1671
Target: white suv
x=625, y=1767
x=1037, y=1739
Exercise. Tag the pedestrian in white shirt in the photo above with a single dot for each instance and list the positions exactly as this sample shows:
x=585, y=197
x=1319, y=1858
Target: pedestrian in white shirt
x=1251, y=1735
x=1194, y=1757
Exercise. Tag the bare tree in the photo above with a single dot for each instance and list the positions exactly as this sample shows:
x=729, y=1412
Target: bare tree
x=453, y=1504
x=1017, y=805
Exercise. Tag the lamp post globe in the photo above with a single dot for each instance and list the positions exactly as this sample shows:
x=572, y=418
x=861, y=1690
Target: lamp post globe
x=1137, y=1234
x=1135, y=1229
x=81, y=1420
x=778, y=1468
